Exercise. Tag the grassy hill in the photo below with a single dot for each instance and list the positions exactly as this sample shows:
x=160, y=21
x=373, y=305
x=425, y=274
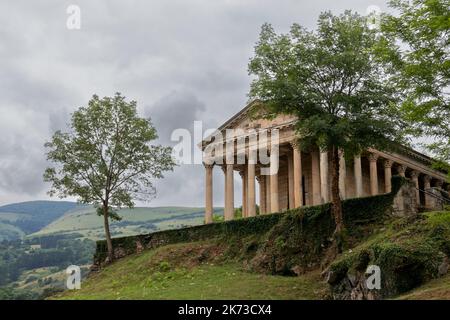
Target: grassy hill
x=10, y=232
x=174, y=272
x=18, y=219
x=42, y=238
x=85, y=221
x=41, y=218
x=245, y=262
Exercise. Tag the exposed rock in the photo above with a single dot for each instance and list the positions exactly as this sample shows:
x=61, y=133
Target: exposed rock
x=139, y=246
x=119, y=252
x=405, y=202
x=443, y=267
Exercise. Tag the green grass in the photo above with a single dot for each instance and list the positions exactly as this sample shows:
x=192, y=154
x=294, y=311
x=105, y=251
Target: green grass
x=10, y=232
x=86, y=222
x=436, y=289
x=136, y=277
x=13, y=216
x=209, y=270
x=438, y=218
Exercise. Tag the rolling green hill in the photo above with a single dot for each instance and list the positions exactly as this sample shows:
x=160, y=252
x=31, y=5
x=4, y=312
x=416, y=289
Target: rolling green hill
x=10, y=232
x=241, y=263
x=85, y=221
x=39, y=239
x=19, y=219
x=39, y=218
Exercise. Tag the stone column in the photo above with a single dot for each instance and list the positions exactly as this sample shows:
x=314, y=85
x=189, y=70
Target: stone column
x=358, y=176
x=401, y=169
x=262, y=193
x=208, y=193
x=316, y=197
x=415, y=180
x=268, y=204
x=342, y=175
x=298, y=186
x=373, y=174
x=229, y=193
x=243, y=175
x=274, y=166
x=291, y=181
x=387, y=175
x=427, y=188
x=324, y=176
x=224, y=169
x=251, y=206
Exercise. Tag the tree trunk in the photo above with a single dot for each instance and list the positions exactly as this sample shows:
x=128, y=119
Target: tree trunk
x=108, y=234
x=336, y=205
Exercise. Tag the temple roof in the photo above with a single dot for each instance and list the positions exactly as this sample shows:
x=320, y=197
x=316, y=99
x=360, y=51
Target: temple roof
x=243, y=113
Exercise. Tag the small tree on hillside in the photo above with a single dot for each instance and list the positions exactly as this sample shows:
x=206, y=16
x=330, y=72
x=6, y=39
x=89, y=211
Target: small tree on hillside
x=332, y=80
x=106, y=158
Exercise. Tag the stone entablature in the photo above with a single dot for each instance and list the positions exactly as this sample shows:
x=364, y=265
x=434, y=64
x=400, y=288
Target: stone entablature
x=303, y=178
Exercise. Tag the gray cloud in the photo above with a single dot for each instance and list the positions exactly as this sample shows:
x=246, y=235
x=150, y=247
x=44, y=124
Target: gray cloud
x=181, y=60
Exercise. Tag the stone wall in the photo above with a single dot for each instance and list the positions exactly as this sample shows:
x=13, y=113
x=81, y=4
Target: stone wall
x=356, y=211
x=436, y=199
x=405, y=202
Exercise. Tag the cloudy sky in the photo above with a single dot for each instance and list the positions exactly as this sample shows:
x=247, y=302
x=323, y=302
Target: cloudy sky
x=182, y=60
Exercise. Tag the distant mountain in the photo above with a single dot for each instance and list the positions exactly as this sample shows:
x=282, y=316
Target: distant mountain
x=42, y=218
x=28, y=217
x=139, y=220
x=54, y=235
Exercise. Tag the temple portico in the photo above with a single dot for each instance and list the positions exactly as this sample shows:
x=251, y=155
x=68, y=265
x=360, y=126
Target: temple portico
x=292, y=178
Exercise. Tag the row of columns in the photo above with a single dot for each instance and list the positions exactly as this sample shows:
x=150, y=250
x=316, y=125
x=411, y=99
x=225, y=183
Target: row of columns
x=268, y=184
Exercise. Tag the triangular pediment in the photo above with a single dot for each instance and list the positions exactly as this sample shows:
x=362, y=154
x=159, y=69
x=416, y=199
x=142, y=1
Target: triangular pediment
x=252, y=117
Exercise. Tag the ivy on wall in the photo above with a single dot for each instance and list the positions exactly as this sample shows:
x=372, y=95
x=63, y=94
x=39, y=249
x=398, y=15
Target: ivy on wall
x=309, y=226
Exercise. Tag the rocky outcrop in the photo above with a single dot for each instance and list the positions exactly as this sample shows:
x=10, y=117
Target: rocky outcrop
x=411, y=253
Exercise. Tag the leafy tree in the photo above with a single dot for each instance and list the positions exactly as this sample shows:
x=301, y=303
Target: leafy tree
x=106, y=159
x=334, y=82
x=421, y=47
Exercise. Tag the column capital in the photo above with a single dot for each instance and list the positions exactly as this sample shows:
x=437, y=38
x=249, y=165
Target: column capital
x=242, y=173
x=259, y=178
x=415, y=174
x=401, y=169
x=208, y=166
x=427, y=178
x=373, y=157
x=295, y=144
x=388, y=163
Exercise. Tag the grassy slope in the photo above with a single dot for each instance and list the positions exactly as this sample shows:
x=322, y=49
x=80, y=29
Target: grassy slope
x=177, y=272
x=10, y=232
x=86, y=221
x=13, y=216
x=139, y=277
x=437, y=289
x=30, y=216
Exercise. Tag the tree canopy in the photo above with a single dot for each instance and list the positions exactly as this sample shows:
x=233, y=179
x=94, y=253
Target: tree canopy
x=334, y=81
x=420, y=49
x=106, y=158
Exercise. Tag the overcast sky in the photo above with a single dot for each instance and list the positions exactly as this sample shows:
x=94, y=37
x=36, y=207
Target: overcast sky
x=180, y=60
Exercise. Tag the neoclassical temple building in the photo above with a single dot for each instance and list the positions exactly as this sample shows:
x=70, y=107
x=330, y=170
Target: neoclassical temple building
x=302, y=179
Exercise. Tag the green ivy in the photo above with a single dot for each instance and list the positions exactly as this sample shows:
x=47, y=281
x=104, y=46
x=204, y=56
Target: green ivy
x=311, y=226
